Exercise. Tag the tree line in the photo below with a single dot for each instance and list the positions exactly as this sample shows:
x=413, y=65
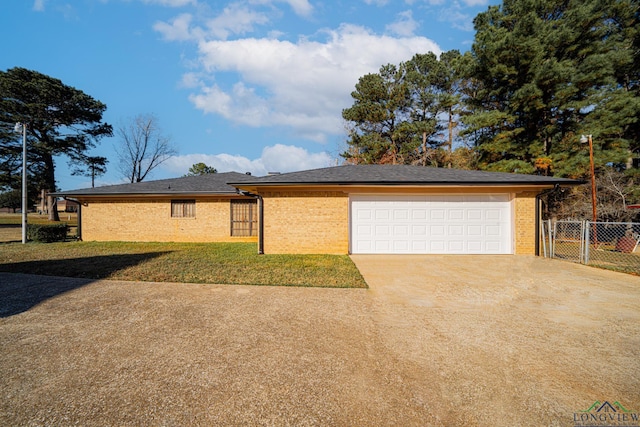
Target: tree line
x=540, y=74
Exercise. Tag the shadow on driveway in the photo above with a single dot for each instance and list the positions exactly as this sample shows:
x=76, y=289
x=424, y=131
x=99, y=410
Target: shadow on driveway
x=19, y=293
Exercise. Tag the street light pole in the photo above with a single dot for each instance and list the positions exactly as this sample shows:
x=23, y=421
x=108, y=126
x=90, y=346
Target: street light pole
x=594, y=211
x=24, y=180
x=589, y=139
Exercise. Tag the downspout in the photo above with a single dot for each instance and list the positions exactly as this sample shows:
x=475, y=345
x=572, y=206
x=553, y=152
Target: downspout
x=260, y=224
x=260, y=219
x=539, y=213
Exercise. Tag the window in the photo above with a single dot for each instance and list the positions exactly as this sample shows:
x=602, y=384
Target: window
x=244, y=218
x=183, y=209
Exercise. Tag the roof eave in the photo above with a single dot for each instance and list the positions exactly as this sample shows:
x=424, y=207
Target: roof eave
x=163, y=194
x=408, y=183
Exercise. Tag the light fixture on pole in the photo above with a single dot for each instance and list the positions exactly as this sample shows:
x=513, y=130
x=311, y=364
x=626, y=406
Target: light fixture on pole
x=24, y=178
x=584, y=139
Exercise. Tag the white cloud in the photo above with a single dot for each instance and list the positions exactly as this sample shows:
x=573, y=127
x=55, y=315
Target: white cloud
x=235, y=19
x=404, y=25
x=300, y=7
x=38, y=5
x=276, y=158
x=170, y=3
x=457, y=19
x=190, y=81
x=376, y=2
x=178, y=30
x=302, y=85
x=474, y=3
x=458, y=14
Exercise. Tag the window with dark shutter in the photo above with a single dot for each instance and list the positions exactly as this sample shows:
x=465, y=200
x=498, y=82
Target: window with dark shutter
x=244, y=218
x=183, y=209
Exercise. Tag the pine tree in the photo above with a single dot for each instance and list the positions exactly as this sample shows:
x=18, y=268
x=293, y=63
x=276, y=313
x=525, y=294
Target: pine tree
x=549, y=71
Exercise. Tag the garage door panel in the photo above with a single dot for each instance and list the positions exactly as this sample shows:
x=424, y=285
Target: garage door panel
x=401, y=231
x=436, y=231
x=431, y=224
x=437, y=214
x=401, y=246
x=418, y=246
x=492, y=231
x=493, y=214
x=456, y=214
x=382, y=246
x=456, y=246
x=365, y=230
x=437, y=246
x=474, y=214
x=418, y=230
x=382, y=231
x=401, y=214
x=418, y=213
x=382, y=214
x=456, y=230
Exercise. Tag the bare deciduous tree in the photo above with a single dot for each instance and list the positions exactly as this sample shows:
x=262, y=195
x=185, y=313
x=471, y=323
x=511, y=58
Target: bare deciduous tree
x=615, y=192
x=143, y=147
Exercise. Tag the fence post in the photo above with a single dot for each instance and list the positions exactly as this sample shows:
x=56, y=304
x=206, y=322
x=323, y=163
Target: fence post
x=550, y=231
x=552, y=249
x=581, y=253
x=587, y=239
x=543, y=238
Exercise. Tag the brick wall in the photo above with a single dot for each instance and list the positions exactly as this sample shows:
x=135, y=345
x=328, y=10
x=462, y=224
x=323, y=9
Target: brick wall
x=294, y=222
x=145, y=220
x=525, y=220
x=313, y=222
x=318, y=222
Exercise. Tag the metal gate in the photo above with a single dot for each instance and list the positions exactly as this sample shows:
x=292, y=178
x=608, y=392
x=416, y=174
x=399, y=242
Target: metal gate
x=610, y=245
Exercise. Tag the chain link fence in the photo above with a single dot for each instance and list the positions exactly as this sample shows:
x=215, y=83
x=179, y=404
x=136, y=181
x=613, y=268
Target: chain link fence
x=610, y=245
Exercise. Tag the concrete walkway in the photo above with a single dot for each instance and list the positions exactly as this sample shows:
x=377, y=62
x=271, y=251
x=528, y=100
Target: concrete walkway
x=492, y=341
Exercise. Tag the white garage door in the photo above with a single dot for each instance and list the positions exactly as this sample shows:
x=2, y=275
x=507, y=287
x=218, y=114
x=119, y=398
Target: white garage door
x=445, y=224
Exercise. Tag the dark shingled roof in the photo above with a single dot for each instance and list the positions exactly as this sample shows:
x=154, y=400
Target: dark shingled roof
x=400, y=175
x=215, y=183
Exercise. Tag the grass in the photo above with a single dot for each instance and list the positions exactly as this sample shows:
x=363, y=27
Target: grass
x=70, y=219
x=216, y=263
x=605, y=256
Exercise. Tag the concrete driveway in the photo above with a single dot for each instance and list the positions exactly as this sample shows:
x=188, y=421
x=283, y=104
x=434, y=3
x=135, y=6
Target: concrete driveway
x=505, y=340
x=436, y=340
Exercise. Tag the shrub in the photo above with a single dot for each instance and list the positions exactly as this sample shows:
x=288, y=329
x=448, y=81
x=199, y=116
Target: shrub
x=47, y=232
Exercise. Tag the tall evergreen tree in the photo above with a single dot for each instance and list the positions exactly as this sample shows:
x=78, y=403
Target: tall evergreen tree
x=407, y=113
x=377, y=117
x=91, y=166
x=549, y=71
x=201, y=169
x=60, y=120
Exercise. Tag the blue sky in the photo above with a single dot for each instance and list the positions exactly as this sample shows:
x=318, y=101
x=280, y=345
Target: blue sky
x=247, y=85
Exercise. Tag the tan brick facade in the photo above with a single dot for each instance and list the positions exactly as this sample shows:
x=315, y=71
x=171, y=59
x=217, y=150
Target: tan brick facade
x=304, y=221
x=149, y=220
x=318, y=221
x=313, y=222
x=525, y=223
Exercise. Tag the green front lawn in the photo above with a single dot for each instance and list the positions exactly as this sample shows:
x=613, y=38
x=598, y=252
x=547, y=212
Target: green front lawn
x=216, y=263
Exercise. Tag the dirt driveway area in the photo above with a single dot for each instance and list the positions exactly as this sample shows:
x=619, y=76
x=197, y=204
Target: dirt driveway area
x=435, y=341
